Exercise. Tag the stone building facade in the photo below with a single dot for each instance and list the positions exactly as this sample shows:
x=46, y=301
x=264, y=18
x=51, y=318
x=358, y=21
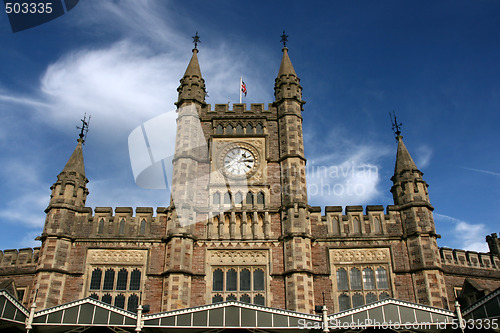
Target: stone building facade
x=239, y=226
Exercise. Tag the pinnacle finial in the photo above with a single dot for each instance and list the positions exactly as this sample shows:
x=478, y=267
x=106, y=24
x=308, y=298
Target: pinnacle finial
x=396, y=127
x=84, y=129
x=284, y=39
x=196, y=40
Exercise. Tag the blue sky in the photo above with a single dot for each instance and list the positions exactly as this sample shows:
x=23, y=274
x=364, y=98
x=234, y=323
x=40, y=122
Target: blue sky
x=436, y=63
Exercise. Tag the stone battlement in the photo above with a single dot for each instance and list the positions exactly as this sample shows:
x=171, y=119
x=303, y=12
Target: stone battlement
x=121, y=222
x=462, y=258
x=239, y=108
x=19, y=258
x=356, y=221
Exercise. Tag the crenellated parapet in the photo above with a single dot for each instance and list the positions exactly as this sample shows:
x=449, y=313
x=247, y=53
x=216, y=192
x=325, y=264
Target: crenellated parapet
x=471, y=259
x=238, y=110
x=372, y=221
x=19, y=258
x=125, y=222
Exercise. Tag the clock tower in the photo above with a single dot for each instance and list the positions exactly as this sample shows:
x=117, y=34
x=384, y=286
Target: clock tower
x=239, y=199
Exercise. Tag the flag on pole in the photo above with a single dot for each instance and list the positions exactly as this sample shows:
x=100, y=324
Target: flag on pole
x=244, y=88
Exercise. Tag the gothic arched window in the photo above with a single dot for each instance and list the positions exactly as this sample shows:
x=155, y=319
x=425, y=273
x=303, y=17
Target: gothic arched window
x=356, y=283
x=94, y=296
x=249, y=129
x=258, y=279
x=121, y=282
x=122, y=227
x=344, y=302
x=370, y=298
x=239, y=129
x=381, y=274
x=120, y=301
x=342, y=281
x=100, y=228
x=135, y=280
x=109, y=279
x=216, y=198
x=132, y=303
x=231, y=297
x=249, y=198
x=245, y=279
x=245, y=298
x=107, y=299
x=218, y=280
x=383, y=295
x=260, y=198
x=368, y=279
x=217, y=298
x=219, y=129
x=259, y=129
x=357, y=300
x=231, y=280
x=95, y=281
x=229, y=129
x=259, y=300
x=227, y=198
x=238, y=198
x=142, y=228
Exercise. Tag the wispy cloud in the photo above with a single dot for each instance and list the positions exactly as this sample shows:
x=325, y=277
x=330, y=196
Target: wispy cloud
x=497, y=174
x=467, y=236
x=348, y=175
x=423, y=156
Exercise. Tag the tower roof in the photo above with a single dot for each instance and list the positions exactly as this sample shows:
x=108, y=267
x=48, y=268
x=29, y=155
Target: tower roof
x=286, y=66
x=75, y=162
x=193, y=68
x=403, y=158
x=192, y=87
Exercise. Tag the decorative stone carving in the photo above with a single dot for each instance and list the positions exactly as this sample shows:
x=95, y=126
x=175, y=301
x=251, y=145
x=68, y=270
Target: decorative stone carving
x=127, y=257
x=238, y=257
x=360, y=255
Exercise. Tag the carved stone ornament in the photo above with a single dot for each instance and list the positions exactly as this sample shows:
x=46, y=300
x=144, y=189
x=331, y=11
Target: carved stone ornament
x=359, y=255
x=125, y=257
x=238, y=257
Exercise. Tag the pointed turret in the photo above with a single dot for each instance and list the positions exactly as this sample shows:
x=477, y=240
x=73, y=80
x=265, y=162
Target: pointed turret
x=71, y=185
x=192, y=87
x=419, y=233
x=403, y=158
x=287, y=84
x=408, y=183
x=75, y=162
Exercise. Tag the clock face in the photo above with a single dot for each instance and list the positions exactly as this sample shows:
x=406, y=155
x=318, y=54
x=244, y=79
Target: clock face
x=239, y=161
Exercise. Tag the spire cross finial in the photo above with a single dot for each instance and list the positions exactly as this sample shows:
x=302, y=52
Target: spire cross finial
x=196, y=40
x=396, y=127
x=284, y=38
x=85, y=128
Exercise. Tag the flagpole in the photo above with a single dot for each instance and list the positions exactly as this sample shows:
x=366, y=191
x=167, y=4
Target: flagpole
x=241, y=83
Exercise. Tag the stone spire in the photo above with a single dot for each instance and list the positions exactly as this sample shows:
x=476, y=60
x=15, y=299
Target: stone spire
x=287, y=84
x=408, y=183
x=75, y=162
x=192, y=87
x=71, y=185
x=403, y=158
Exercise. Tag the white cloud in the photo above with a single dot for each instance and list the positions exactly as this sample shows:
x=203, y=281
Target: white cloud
x=467, y=236
x=483, y=171
x=424, y=155
x=346, y=178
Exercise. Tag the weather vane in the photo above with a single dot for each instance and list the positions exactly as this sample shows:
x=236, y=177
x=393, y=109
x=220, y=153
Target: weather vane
x=284, y=38
x=85, y=127
x=196, y=40
x=396, y=127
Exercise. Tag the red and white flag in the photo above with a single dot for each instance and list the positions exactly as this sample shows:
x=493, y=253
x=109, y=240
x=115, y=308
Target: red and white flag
x=244, y=88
